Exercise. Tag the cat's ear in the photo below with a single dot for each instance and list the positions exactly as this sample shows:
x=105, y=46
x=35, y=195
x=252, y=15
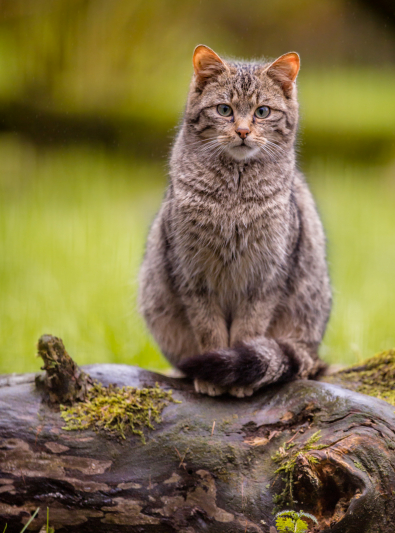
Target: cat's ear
x=284, y=70
x=207, y=64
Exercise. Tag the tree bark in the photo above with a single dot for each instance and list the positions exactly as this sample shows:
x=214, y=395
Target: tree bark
x=213, y=464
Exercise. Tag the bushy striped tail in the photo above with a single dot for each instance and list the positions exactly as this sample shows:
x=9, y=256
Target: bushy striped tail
x=254, y=363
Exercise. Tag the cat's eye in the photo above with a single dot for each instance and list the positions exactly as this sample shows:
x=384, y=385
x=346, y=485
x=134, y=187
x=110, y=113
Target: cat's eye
x=224, y=110
x=262, y=112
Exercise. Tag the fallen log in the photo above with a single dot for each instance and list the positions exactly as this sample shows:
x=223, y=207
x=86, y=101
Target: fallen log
x=211, y=464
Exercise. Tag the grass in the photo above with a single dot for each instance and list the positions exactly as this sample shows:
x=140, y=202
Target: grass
x=72, y=231
x=72, y=228
x=357, y=206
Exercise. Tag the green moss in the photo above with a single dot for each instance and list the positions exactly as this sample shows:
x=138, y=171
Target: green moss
x=286, y=457
x=359, y=465
x=225, y=425
x=375, y=377
x=117, y=410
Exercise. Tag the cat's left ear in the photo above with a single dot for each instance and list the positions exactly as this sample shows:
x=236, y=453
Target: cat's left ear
x=284, y=70
x=207, y=64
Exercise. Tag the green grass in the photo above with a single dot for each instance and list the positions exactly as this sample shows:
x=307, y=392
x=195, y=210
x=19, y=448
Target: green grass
x=72, y=228
x=357, y=206
x=72, y=232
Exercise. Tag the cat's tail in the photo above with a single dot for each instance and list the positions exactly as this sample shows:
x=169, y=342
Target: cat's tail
x=255, y=363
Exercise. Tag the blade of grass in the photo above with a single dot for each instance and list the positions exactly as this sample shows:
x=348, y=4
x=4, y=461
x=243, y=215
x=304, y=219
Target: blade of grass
x=31, y=519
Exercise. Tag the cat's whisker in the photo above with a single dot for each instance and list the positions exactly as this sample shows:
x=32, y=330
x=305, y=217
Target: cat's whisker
x=203, y=142
x=266, y=149
x=211, y=151
x=264, y=143
x=269, y=155
x=267, y=146
x=216, y=150
x=275, y=146
x=208, y=147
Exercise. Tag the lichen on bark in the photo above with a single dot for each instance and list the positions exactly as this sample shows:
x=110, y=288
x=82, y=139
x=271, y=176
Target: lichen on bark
x=374, y=377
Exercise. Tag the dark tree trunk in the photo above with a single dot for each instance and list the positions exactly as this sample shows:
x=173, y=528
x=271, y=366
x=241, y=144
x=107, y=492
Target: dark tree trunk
x=210, y=465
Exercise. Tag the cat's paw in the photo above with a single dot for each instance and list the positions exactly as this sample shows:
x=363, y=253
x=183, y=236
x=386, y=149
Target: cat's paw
x=204, y=387
x=241, y=392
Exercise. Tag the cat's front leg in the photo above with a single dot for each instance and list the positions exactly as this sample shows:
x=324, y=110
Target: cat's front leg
x=208, y=324
x=238, y=368
x=251, y=320
x=211, y=334
x=247, y=334
x=252, y=317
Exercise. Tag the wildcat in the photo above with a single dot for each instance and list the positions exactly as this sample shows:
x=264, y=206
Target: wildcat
x=234, y=284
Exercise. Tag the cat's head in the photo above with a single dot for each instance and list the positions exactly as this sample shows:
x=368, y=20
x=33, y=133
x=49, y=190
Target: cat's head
x=241, y=110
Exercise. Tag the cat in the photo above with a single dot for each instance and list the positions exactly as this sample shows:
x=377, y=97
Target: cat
x=234, y=284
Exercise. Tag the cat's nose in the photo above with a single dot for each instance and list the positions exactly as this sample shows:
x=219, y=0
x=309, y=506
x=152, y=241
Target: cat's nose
x=243, y=132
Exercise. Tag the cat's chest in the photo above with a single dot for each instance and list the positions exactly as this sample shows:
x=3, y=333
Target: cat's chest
x=228, y=231
x=232, y=239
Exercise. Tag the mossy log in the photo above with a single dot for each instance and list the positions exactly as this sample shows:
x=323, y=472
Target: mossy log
x=210, y=465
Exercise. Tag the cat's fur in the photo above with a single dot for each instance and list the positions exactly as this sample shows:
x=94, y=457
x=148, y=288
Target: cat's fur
x=234, y=284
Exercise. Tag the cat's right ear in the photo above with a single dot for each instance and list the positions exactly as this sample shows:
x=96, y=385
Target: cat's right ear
x=284, y=70
x=207, y=64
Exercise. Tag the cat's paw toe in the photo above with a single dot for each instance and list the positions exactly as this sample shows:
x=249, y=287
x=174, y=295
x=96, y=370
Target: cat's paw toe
x=204, y=387
x=241, y=392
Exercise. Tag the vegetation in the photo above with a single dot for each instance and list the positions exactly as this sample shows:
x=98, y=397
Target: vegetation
x=286, y=457
x=375, y=376
x=47, y=529
x=291, y=521
x=118, y=410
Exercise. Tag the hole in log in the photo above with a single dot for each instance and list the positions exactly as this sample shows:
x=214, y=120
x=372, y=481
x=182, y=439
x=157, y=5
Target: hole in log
x=324, y=489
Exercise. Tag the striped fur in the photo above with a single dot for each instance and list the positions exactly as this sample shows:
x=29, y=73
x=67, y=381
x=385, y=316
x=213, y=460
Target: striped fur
x=234, y=284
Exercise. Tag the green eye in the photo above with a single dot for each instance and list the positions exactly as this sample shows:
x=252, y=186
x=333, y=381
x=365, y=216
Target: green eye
x=224, y=110
x=262, y=112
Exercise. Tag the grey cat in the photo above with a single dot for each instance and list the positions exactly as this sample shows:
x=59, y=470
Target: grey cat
x=234, y=284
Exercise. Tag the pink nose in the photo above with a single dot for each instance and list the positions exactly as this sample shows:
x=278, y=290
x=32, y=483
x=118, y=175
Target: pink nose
x=243, y=132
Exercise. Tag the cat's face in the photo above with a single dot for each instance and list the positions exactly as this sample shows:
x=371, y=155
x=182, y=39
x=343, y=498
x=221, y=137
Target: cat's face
x=242, y=110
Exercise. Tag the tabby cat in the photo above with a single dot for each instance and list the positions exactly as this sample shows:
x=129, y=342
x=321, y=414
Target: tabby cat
x=234, y=284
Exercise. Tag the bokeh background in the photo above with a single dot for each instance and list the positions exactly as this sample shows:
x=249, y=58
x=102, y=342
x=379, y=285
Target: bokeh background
x=91, y=93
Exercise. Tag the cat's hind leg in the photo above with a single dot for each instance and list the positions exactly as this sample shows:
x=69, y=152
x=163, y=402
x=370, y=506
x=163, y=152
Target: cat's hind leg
x=165, y=314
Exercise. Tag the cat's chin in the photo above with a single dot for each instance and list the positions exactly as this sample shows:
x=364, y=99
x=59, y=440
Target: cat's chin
x=242, y=152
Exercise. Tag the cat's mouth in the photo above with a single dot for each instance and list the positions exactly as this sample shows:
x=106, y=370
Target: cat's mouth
x=242, y=150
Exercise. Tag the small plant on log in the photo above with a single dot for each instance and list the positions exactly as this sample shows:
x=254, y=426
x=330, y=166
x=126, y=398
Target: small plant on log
x=291, y=521
x=287, y=457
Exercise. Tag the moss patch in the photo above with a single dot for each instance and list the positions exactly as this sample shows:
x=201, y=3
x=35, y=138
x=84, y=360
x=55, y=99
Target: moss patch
x=375, y=377
x=287, y=456
x=118, y=410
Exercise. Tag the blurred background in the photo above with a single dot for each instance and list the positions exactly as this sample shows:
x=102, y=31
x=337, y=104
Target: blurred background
x=91, y=93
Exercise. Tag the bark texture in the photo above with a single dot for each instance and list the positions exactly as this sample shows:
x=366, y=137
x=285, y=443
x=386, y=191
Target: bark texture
x=209, y=466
